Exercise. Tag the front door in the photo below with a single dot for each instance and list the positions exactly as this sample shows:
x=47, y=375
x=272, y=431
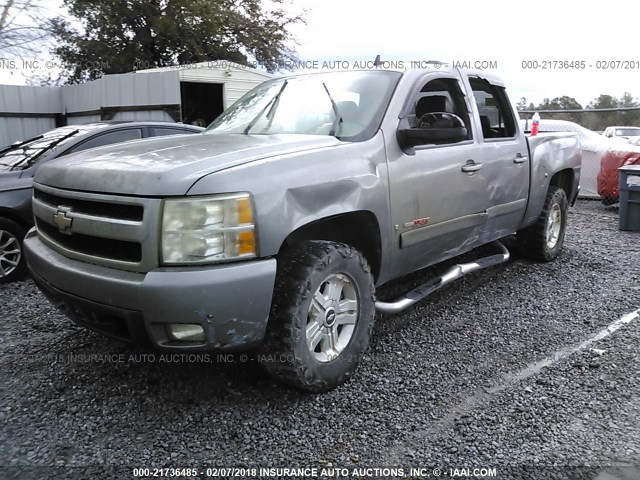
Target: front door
x=438, y=191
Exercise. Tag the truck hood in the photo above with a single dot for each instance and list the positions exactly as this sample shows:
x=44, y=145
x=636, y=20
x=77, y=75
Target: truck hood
x=167, y=165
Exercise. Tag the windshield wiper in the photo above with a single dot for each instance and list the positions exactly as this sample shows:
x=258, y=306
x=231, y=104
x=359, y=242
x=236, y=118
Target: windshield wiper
x=338, y=119
x=45, y=149
x=273, y=101
x=13, y=146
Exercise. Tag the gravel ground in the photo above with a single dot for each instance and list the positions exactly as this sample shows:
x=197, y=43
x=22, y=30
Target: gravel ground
x=486, y=373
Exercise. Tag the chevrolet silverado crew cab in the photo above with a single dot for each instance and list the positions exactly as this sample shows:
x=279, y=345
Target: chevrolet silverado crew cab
x=272, y=229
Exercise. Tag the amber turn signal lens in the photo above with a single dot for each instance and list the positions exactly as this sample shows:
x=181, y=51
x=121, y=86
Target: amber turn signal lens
x=245, y=212
x=246, y=243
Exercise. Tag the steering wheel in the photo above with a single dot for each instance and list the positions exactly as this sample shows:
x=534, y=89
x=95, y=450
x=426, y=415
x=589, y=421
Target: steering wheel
x=427, y=120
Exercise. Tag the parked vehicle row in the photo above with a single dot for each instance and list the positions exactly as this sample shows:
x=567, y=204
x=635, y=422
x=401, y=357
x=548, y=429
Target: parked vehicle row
x=20, y=161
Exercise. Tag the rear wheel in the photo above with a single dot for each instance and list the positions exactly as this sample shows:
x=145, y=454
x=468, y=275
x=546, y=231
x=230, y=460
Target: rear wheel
x=12, y=262
x=322, y=316
x=543, y=240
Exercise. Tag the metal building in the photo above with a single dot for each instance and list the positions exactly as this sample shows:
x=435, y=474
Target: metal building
x=194, y=94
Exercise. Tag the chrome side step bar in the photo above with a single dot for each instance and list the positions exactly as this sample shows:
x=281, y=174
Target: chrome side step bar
x=437, y=283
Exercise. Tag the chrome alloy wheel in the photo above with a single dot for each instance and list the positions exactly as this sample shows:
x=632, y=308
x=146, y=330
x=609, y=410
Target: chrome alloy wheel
x=554, y=225
x=10, y=253
x=332, y=317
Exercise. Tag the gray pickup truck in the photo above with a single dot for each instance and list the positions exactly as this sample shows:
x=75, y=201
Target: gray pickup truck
x=272, y=229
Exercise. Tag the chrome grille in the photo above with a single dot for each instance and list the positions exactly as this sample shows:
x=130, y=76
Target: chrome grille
x=98, y=209
x=111, y=230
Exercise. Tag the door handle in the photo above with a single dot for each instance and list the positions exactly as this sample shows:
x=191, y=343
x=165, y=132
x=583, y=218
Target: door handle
x=519, y=158
x=471, y=167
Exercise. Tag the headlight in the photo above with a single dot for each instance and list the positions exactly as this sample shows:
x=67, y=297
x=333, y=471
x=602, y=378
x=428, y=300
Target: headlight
x=208, y=229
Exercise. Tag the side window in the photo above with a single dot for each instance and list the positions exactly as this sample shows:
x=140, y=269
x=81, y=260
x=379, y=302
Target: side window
x=108, y=139
x=436, y=104
x=162, y=131
x=496, y=115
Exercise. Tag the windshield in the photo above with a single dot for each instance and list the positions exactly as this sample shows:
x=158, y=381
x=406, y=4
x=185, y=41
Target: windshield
x=627, y=132
x=26, y=153
x=307, y=105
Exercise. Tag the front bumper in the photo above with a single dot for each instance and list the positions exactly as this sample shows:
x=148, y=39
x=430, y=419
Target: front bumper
x=231, y=302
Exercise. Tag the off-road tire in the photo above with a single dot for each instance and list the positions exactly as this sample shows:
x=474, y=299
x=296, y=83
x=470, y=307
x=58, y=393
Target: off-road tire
x=301, y=270
x=18, y=233
x=532, y=241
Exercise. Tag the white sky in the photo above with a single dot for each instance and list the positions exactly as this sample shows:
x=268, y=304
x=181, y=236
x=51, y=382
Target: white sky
x=502, y=31
x=469, y=31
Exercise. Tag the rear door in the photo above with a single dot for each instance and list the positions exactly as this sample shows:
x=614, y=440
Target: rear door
x=504, y=156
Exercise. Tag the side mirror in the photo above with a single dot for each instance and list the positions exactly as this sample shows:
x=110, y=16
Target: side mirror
x=433, y=128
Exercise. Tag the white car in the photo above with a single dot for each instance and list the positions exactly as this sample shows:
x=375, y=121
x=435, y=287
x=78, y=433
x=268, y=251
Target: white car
x=622, y=132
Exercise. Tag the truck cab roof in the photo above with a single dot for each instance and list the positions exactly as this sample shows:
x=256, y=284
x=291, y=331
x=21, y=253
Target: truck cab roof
x=436, y=67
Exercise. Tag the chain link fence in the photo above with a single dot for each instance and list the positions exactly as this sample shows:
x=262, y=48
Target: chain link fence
x=604, y=149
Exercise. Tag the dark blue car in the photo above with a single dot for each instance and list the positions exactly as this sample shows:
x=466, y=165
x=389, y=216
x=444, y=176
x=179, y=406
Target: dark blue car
x=19, y=162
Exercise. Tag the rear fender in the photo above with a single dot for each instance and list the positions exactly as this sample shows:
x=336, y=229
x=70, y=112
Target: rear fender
x=555, y=159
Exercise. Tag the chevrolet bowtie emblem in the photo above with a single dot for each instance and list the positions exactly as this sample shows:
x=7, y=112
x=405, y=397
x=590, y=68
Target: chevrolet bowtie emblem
x=61, y=220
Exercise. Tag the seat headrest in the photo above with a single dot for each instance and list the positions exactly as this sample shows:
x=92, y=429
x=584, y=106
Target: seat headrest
x=486, y=126
x=433, y=103
x=348, y=109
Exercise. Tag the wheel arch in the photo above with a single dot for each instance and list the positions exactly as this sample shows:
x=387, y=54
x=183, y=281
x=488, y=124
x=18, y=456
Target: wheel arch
x=10, y=215
x=360, y=229
x=565, y=180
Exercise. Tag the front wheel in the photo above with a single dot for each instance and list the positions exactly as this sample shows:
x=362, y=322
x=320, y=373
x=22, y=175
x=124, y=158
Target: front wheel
x=543, y=240
x=12, y=263
x=322, y=315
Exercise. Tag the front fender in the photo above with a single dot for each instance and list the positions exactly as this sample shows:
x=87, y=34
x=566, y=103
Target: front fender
x=16, y=204
x=293, y=190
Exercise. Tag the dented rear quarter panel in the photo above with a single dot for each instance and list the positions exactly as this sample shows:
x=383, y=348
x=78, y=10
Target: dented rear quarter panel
x=550, y=153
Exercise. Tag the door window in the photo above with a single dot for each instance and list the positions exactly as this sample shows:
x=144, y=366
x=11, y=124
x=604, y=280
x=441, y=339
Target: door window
x=434, y=104
x=496, y=115
x=163, y=131
x=109, y=138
